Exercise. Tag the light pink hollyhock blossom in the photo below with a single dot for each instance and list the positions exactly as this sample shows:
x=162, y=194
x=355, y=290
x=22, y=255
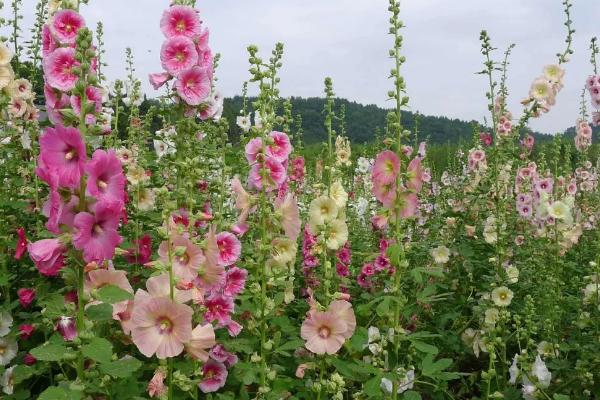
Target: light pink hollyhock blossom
x=65, y=24
x=203, y=338
x=415, y=175
x=408, y=203
x=48, y=42
x=343, y=310
x=276, y=175
x=159, y=79
x=193, y=86
x=156, y=386
x=67, y=328
x=99, y=278
x=180, y=20
x=385, y=193
x=235, y=281
x=252, y=149
x=58, y=69
x=62, y=151
x=214, y=377
x=158, y=286
x=97, y=234
x=93, y=96
x=106, y=180
x=186, y=265
x=161, y=326
x=230, y=248
x=288, y=209
x=178, y=54
x=218, y=308
x=47, y=255
x=386, y=167
x=233, y=328
x=242, y=199
x=324, y=332
x=279, y=147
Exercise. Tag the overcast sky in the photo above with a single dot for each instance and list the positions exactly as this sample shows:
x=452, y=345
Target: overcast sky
x=347, y=40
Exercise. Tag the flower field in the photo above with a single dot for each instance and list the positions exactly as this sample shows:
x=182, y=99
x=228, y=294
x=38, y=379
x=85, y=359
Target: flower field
x=157, y=249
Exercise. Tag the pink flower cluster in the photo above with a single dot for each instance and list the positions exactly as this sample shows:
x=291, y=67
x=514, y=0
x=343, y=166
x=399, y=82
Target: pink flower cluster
x=593, y=86
x=394, y=193
x=268, y=160
x=375, y=273
x=583, y=137
x=477, y=159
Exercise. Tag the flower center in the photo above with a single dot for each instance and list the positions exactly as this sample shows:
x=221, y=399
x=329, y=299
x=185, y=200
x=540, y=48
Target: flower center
x=180, y=27
x=324, y=332
x=97, y=229
x=184, y=259
x=101, y=184
x=69, y=155
x=165, y=325
x=180, y=56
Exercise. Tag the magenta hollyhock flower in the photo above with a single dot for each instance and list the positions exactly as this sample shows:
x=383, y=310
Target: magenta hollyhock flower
x=178, y=54
x=276, y=175
x=93, y=95
x=58, y=69
x=159, y=79
x=233, y=328
x=25, y=331
x=143, y=251
x=21, y=244
x=235, y=281
x=58, y=211
x=230, y=248
x=26, y=296
x=342, y=270
x=65, y=24
x=203, y=338
x=47, y=254
x=193, y=86
x=161, y=326
x=97, y=234
x=218, y=308
x=298, y=169
x=279, y=147
x=62, y=151
x=180, y=20
x=66, y=326
x=214, y=376
x=220, y=354
x=48, y=42
x=386, y=168
x=253, y=148
x=106, y=180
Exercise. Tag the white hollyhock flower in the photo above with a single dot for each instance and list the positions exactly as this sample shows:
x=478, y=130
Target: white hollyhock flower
x=514, y=370
x=441, y=254
x=6, y=322
x=8, y=350
x=541, y=372
x=243, y=121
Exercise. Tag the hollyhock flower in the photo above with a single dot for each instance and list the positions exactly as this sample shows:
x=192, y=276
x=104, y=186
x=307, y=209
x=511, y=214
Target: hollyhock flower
x=180, y=20
x=161, y=326
x=287, y=208
x=159, y=79
x=25, y=331
x=386, y=167
x=415, y=175
x=8, y=350
x=156, y=386
x=252, y=149
x=186, y=264
x=502, y=296
x=441, y=254
x=235, y=281
x=214, y=375
x=276, y=175
x=220, y=354
x=6, y=322
x=342, y=270
x=243, y=122
x=203, y=338
x=26, y=296
x=62, y=151
x=143, y=251
x=58, y=69
x=343, y=310
x=229, y=248
x=99, y=278
x=385, y=193
x=106, y=180
x=29, y=359
x=193, y=85
x=541, y=372
x=158, y=286
x=322, y=210
x=6, y=75
x=178, y=54
x=65, y=24
x=324, y=332
x=337, y=234
x=94, y=96
x=47, y=255
x=97, y=233
x=5, y=55
x=541, y=90
x=408, y=203
x=218, y=308
x=233, y=328
x=48, y=42
x=211, y=274
x=21, y=244
x=279, y=147
x=66, y=326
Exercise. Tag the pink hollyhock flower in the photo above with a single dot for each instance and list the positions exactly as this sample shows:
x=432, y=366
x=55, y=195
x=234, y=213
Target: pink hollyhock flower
x=106, y=180
x=239, y=229
x=279, y=147
x=544, y=185
x=324, y=332
x=178, y=54
x=218, y=308
x=97, y=233
x=385, y=193
x=363, y=281
x=379, y=222
x=276, y=175
x=235, y=281
x=344, y=254
x=214, y=375
x=186, y=265
x=67, y=328
x=408, y=203
x=143, y=251
x=48, y=42
x=343, y=310
x=65, y=24
x=386, y=168
x=242, y=198
x=26, y=296
x=47, y=254
x=485, y=139
x=180, y=20
x=415, y=175
x=99, y=278
x=368, y=269
x=230, y=248
x=342, y=270
x=28, y=359
x=156, y=386
x=62, y=151
x=233, y=328
x=58, y=69
x=158, y=286
x=58, y=212
x=220, y=354
x=193, y=85
x=252, y=149
x=298, y=171
x=21, y=244
x=212, y=273
x=203, y=338
x=93, y=96
x=287, y=208
x=161, y=326
x=25, y=331
x=159, y=79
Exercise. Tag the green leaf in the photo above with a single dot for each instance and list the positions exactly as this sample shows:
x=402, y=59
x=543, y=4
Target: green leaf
x=383, y=307
x=99, y=312
x=112, y=294
x=425, y=347
x=412, y=395
x=560, y=397
x=99, y=349
x=372, y=387
x=54, y=306
x=54, y=393
x=121, y=368
x=21, y=373
x=49, y=352
x=291, y=345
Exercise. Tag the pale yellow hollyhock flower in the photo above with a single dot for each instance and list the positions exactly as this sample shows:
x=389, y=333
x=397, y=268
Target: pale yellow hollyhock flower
x=502, y=296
